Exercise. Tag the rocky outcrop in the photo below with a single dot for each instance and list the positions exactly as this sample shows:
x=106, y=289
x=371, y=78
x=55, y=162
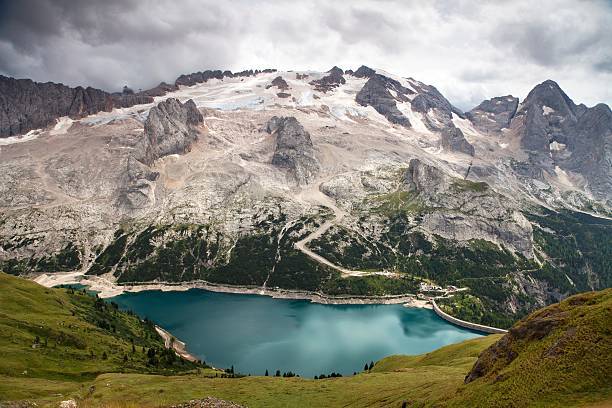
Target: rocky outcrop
x=170, y=128
x=208, y=402
x=492, y=115
x=437, y=113
x=376, y=93
x=384, y=93
x=279, y=82
x=27, y=105
x=294, y=150
x=463, y=210
x=204, y=76
x=138, y=191
x=160, y=90
x=453, y=139
x=333, y=79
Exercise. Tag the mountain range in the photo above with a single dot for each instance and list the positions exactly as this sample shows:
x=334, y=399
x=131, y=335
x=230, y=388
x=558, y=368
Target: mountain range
x=342, y=182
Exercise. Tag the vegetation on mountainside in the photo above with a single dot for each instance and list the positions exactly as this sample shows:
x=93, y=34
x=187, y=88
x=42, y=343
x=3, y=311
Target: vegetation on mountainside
x=574, y=245
x=55, y=337
x=575, y=251
x=66, y=259
x=183, y=252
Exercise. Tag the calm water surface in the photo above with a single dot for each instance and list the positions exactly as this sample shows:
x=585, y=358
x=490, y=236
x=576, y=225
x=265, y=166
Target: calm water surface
x=254, y=333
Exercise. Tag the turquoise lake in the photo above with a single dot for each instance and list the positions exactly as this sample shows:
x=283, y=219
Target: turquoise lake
x=257, y=333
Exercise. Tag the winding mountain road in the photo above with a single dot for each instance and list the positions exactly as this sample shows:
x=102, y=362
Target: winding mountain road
x=315, y=195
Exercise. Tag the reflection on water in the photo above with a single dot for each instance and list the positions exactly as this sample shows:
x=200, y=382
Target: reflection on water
x=257, y=333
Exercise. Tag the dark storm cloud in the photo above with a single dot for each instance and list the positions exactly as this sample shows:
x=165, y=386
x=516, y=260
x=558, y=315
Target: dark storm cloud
x=468, y=49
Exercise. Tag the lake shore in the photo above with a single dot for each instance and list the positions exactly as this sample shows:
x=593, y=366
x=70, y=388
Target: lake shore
x=106, y=288
x=178, y=346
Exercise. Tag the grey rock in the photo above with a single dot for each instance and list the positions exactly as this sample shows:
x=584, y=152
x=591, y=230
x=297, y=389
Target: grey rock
x=493, y=114
x=375, y=93
x=280, y=83
x=294, y=150
x=170, y=128
x=364, y=72
x=203, y=76
x=334, y=79
x=453, y=139
x=138, y=190
x=463, y=210
x=27, y=105
x=438, y=112
x=548, y=115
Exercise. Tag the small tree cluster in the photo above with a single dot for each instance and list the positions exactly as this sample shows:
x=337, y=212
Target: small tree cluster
x=323, y=376
x=369, y=367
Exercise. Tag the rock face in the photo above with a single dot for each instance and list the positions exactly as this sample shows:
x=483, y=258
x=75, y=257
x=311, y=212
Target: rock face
x=334, y=78
x=169, y=129
x=558, y=133
x=463, y=210
x=364, y=72
x=138, y=190
x=27, y=105
x=376, y=93
x=438, y=113
x=492, y=115
x=453, y=139
x=294, y=150
x=280, y=83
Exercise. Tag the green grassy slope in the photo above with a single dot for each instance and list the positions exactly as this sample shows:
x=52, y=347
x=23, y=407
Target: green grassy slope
x=558, y=356
x=55, y=340
x=563, y=363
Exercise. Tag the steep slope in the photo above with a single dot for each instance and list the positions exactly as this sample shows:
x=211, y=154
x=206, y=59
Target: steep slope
x=59, y=339
x=558, y=355
x=558, y=135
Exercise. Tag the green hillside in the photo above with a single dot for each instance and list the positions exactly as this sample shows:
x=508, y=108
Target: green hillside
x=54, y=340
x=558, y=356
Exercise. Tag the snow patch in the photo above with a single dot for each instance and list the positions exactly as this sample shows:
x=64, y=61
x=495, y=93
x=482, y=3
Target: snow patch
x=546, y=110
x=61, y=127
x=466, y=127
x=31, y=135
x=563, y=177
x=557, y=147
x=415, y=118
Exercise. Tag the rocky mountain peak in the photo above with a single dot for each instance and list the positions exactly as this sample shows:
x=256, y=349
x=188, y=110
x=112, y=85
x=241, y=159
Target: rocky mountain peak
x=548, y=97
x=376, y=93
x=364, y=72
x=336, y=71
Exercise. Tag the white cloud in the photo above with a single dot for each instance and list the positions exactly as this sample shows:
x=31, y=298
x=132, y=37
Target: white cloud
x=468, y=50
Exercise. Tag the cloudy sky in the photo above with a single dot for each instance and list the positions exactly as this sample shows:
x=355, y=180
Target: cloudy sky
x=470, y=50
